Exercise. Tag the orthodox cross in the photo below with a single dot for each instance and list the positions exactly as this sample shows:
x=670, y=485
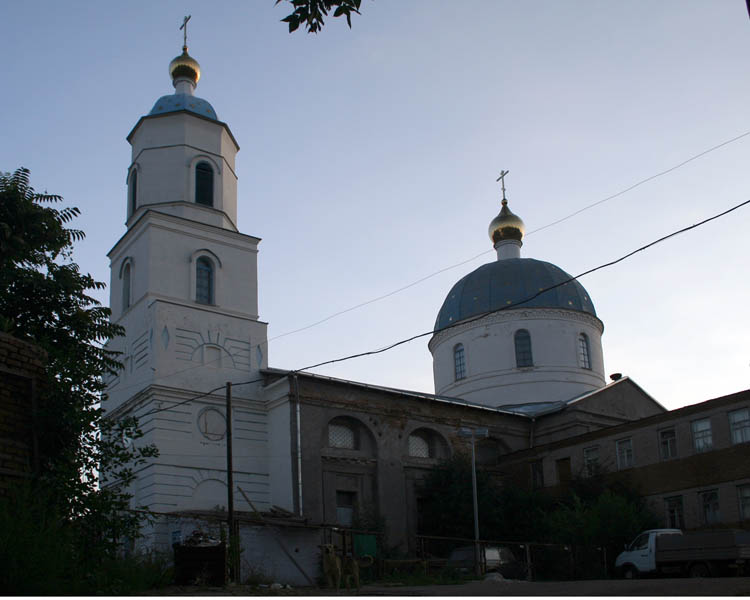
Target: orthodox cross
x=184, y=26
x=501, y=179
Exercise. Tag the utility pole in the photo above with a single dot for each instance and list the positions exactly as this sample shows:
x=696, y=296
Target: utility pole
x=473, y=434
x=230, y=483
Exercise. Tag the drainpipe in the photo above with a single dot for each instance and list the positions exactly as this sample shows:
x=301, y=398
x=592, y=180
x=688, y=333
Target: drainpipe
x=299, y=447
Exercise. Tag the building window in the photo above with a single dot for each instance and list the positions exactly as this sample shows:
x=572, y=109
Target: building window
x=667, y=444
x=591, y=461
x=584, y=354
x=743, y=496
x=522, y=340
x=204, y=184
x=537, y=474
x=419, y=446
x=710, y=506
x=702, y=439
x=675, y=512
x=563, y=469
x=126, y=287
x=459, y=362
x=739, y=422
x=133, y=191
x=204, y=281
x=341, y=435
x=624, y=454
x=345, y=507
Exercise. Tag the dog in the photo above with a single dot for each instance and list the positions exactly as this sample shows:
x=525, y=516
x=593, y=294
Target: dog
x=350, y=569
x=331, y=566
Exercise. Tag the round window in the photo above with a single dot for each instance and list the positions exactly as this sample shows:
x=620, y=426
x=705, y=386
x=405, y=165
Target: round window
x=212, y=424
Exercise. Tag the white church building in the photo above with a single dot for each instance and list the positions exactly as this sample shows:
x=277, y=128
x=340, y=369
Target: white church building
x=517, y=350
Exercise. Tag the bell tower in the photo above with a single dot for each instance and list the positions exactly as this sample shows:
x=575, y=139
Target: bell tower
x=184, y=285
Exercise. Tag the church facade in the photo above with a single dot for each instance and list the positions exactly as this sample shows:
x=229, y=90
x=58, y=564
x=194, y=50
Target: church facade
x=516, y=350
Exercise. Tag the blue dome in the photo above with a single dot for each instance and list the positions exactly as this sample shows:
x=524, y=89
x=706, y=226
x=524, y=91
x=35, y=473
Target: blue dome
x=175, y=102
x=506, y=282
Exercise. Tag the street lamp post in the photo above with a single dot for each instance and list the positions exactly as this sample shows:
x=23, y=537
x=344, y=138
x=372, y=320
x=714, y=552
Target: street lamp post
x=473, y=435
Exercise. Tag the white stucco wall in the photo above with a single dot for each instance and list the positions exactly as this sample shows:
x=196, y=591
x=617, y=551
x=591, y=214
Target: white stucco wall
x=166, y=148
x=492, y=377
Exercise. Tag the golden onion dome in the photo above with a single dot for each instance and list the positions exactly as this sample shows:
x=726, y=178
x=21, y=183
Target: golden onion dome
x=506, y=226
x=185, y=66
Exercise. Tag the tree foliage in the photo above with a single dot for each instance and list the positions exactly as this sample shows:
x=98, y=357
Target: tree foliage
x=311, y=12
x=45, y=299
x=595, y=512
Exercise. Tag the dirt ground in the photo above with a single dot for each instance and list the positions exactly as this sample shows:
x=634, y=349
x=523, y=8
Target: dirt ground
x=723, y=586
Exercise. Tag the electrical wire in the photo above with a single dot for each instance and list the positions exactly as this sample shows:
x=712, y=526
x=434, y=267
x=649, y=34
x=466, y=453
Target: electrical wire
x=466, y=321
x=456, y=265
x=525, y=300
x=533, y=231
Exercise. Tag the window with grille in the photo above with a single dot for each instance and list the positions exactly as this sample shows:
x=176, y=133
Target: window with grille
x=702, y=438
x=459, y=359
x=204, y=184
x=419, y=446
x=710, y=506
x=341, y=435
x=204, y=281
x=739, y=422
x=675, y=512
x=667, y=444
x=591, y=460
x=743, y=496
x=624, y=454
x=126, y=287
x=522, y=341
x=584, y=355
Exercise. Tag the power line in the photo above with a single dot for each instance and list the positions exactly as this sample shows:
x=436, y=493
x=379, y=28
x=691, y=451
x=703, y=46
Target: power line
x=641, y=182
x=470, y=320
x=553, y=223
x=458, y=264
x=198, y=397
x=525, y=300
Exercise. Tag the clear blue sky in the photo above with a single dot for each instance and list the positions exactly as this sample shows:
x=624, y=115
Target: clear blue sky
x=369, y=156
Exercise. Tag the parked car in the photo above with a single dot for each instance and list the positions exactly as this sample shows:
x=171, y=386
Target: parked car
x=499, y=559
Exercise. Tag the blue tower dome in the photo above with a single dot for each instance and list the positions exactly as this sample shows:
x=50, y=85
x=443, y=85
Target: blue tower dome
x=507, y=284
x=175, y=102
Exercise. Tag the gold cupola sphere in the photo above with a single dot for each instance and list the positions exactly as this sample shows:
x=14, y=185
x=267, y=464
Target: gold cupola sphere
x=506, y=226
x=185, y=66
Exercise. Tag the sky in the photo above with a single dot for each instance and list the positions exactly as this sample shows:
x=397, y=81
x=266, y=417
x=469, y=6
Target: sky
x=369, y=157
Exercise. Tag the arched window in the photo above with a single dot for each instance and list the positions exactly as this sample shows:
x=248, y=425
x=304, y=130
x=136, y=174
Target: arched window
x=584, y=354
x=126, y=287
x=459, y=362
x=341, y=434
x=427, y=443
x=204, y=184
x=133, y=192
x=524, y=357
x=204, y=281
x=419, y=445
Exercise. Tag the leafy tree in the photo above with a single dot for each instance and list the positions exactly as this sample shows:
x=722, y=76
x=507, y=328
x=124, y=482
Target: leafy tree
x=44, y=298
x=311, y=12
x=447, y=504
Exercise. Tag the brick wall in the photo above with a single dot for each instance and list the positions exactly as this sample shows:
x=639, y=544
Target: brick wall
x=21, y=368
